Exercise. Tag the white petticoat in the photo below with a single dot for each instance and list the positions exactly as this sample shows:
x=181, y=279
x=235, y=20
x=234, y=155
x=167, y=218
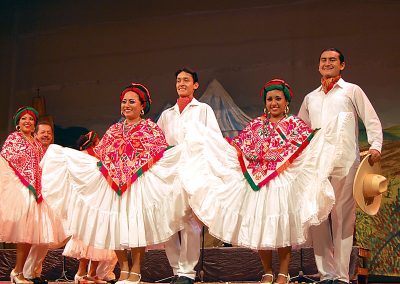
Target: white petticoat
x=280, y=213
x=149, y=212
x=22, y=219
x=77, y=249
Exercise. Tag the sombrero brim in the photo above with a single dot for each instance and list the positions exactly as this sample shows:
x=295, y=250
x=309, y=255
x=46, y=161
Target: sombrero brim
x=368, y=205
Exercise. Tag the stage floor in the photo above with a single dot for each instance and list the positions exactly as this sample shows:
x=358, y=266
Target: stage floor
x=229, y=282
x=220, y=265
x=8, y=282
x=239, y=282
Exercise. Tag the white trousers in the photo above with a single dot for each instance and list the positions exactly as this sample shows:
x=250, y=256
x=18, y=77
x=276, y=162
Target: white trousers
x=333, y=242
x=183, y=255
x=34, y=262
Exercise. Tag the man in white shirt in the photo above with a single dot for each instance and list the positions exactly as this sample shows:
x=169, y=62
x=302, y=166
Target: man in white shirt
x=332, y=241
x=34, y=263
x=183, y=253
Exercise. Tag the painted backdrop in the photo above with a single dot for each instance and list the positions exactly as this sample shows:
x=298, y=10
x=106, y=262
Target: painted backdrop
x=81, y=54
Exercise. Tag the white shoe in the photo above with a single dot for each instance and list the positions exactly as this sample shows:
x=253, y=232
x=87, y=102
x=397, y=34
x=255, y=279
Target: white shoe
x=286, y=276
x=14, y=278
x=133, y=282
x=123, y=281
x=82, y=279
x=267, y=274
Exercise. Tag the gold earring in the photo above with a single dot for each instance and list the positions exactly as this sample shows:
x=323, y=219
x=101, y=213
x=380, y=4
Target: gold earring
x=142, y=112
x=18, y=128
x=287, y=110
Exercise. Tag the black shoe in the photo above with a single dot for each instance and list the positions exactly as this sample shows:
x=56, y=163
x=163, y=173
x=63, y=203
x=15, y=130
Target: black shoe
x=173, y=279
x=184, y=280
x=337, y=281
x=326, y=281
x=38, y=280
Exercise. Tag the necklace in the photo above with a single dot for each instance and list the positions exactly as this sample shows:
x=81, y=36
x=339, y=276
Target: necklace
x=127, y=127
x=268, y=132
x=29, y=138
x=31, y=141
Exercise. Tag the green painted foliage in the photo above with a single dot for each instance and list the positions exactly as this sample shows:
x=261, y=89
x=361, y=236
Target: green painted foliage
x=381, y=233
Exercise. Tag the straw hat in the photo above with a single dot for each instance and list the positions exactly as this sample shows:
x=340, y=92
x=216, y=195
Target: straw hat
x=368, y=186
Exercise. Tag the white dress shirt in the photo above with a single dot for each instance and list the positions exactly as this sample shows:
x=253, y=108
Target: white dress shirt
x=172, y=122
x=319, y=108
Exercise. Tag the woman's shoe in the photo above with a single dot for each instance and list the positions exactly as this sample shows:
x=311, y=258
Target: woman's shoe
x=286, y=276
x=111, y=280
x=37, y=280
x=82, y=279
x=134, y=282
x=123, y=281
x=14, y=278
x=267, y=282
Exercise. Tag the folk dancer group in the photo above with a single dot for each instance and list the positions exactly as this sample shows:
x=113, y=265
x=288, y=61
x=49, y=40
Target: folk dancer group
x=271, y=187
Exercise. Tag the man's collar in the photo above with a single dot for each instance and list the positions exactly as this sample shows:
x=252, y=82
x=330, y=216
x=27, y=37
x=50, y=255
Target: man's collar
x=340, y=83
x=193, y=102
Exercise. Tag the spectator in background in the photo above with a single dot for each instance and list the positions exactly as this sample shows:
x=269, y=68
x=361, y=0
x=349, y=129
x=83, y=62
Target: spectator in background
x=34, y=263
x=44, y=133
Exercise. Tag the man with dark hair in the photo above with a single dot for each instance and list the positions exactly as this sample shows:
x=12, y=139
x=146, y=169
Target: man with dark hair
x=34, y=262
x=333, y=241
x=341, y=56
x=183, y=253
x=44, y=133
x=189, y=71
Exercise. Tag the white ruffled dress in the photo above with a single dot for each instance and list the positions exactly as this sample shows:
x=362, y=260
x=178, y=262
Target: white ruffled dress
x=77, y=249
x=281, y=212
x=22, y=218
x=149, y=212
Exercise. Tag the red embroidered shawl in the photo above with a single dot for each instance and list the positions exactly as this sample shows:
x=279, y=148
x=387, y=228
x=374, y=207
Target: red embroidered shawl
x=126, y=156
x=269, y=148
x=24, y=158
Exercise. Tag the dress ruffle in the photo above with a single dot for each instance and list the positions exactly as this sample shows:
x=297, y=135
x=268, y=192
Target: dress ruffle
x=77, y=249
x=150, y=212
x=281, y=212
x=22, y=219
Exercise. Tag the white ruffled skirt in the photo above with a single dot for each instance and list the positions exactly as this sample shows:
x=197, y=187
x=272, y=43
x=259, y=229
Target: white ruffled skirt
x=150, y=212
x=22, y=219
x=280, y=213
x=77, y=249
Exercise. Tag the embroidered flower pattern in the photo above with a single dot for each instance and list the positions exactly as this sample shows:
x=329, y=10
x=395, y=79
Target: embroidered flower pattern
x=125, y=156
x=270, y=147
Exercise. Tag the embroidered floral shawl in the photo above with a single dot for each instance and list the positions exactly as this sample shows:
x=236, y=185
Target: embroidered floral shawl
x=24, y=158
x=266, y=149
x=126, y=156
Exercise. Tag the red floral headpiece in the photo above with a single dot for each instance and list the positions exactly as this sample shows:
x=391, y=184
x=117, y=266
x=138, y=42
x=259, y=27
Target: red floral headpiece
x=143, y=93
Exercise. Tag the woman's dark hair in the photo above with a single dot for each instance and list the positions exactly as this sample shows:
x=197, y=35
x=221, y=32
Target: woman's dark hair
x=190, y=71
x=86, y=140
x=341, y=56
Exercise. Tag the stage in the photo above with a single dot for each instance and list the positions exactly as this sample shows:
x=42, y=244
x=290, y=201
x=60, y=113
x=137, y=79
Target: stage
x=223, y=264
